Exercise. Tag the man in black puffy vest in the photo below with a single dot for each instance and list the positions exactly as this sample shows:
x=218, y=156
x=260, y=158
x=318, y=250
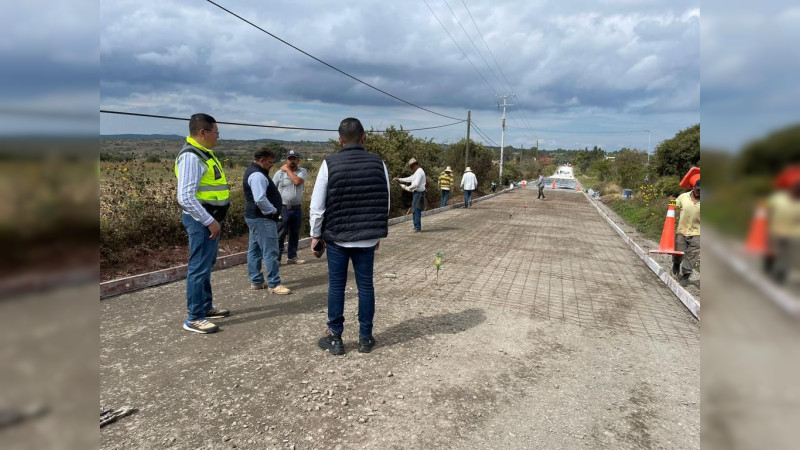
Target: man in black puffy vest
x=349, y=214
x=261, y=203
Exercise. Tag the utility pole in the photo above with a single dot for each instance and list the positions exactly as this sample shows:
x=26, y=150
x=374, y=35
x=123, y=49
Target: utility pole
x=648, y=147
x=537, y=150
x=466, y=152
x=503, y=133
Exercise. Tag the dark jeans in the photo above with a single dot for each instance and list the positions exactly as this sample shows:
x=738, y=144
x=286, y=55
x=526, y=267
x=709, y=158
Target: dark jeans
x=291, y=219
x=417, y=204
x=338, y=260
x=445, y=197
x=467, y=198
x=690, y=246
x=541, y=192
x=202, y=257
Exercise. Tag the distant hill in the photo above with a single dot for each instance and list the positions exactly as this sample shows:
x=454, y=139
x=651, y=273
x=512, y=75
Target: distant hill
x=141, y=136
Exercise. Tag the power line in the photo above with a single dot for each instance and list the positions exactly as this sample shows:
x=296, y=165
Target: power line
x=326, y=64
x=524, y=117
x=459, y=47
x=473, y=44
x=487, y=46
x=482, y=134
x=256, y=125
x=581, y=132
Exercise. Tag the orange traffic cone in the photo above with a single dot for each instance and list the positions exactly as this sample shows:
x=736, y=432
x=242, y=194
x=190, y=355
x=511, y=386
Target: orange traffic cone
x=757, y=236
x=579, y=188
x=667, y=244
x=554, y=184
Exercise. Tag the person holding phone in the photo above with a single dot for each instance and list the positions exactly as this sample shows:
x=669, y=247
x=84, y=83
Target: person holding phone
x=349, y=214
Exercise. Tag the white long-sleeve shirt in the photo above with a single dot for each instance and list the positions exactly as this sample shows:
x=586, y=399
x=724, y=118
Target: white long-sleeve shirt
x=317, y=209
x=258, y=184
x=417, y=181
x=190, y=170
x=469, y=182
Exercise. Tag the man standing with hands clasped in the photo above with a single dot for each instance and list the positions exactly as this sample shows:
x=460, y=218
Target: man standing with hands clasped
x=417, y=186
x=261, y=200
x=290, y=180
x=204, y=198
x=349, y=215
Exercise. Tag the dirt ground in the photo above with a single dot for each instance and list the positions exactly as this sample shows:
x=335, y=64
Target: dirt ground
x=542, y=330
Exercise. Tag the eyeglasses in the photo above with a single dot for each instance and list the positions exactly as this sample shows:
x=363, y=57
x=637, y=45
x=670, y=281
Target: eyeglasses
x=215, y=132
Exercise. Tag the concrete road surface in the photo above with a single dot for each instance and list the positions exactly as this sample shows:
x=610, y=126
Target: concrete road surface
x=542, y=330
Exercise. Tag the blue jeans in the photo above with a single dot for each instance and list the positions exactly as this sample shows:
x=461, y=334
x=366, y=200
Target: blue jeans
x=467, y=198
x=202, y=257
x=445, y=197
x=291, y=219
x=338, y=259
x=263, y=245
x=417, y=204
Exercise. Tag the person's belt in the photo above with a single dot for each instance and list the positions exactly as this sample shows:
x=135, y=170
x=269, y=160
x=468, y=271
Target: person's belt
x=292, y=207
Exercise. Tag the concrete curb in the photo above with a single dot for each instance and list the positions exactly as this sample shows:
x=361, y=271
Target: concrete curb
x=688, y=300
x=145, y=280
x=784, y=300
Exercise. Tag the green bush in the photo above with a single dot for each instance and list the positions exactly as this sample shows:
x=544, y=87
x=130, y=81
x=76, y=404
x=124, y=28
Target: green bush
x=668, y=186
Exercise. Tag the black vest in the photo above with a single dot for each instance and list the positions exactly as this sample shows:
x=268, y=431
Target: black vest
x=357, y=202
x=251, y=210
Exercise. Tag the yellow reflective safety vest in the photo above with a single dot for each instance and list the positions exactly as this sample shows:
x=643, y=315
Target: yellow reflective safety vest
x=213, y=187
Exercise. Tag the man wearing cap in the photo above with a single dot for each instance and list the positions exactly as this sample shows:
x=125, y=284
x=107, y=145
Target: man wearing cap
x=290, y=180
x=687, y=238
x=540, y=185
x=204, y=198
x=783, y=208
x=417, y=186
x=445, y=181
x=468, y=183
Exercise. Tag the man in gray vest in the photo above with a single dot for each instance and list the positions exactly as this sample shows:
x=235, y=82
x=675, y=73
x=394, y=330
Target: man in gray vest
x=349, y=215
x=290, y=179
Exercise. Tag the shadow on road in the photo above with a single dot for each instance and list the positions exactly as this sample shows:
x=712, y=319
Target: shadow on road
x=449, y=323
x=305, y=304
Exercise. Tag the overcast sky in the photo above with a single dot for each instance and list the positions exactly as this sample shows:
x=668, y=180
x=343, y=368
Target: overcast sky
x=612, y=66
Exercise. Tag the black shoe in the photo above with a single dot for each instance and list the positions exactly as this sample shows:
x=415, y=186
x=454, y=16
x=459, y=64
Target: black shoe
x=365, y=344
x=676, y=267
x=333, y=343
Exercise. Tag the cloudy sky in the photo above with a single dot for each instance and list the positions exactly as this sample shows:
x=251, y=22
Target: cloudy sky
x=617, y=67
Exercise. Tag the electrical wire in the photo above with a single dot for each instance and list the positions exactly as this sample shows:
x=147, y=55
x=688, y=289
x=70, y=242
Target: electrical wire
x=242, y=124
x=581, y=132
x=482, y=134
x=327, y=64
x=459, y=47
x=473, y=44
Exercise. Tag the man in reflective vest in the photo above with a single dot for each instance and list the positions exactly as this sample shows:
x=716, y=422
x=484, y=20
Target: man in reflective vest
x=204, y=198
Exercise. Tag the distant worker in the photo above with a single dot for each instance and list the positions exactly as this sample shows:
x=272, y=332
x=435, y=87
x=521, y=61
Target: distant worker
x=416, y=185
x=468, y=183
x=261, y=202
x=349, y=215
x=290, y=180
x=445, y=182
x=784, y=227
x=204, y=198
x=687, y=238
x=540, y=185
x=493, y=186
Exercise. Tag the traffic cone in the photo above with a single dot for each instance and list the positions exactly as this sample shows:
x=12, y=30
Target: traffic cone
x=757, y=236
x=579, y=188
x=667, y=244
x=554, y=184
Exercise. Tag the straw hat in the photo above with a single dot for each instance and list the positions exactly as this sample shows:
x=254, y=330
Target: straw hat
x=467, y=169
x=448, y=169
x=412, y=161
